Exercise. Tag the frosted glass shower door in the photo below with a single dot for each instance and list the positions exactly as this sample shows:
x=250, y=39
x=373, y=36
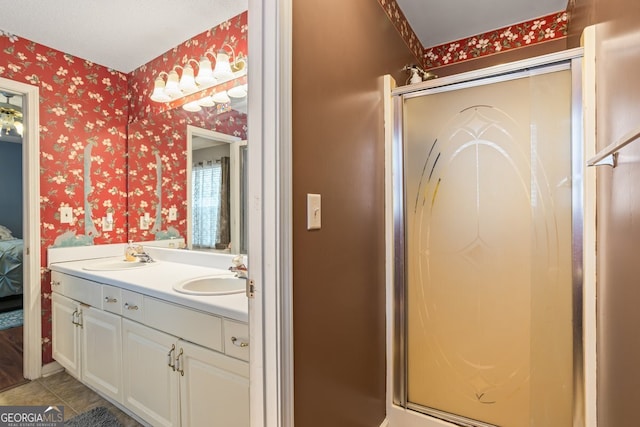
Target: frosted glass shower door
x=487, y=173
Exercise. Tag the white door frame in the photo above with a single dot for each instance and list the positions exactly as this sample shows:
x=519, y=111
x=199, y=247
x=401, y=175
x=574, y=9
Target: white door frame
x=269, y=203
x=32, y=330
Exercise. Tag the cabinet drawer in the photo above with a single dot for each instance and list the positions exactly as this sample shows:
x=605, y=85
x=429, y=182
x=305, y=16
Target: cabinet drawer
x=192, y=325
x=131, y=304
x=111, y=299
x=78, y=289
x=236, y=339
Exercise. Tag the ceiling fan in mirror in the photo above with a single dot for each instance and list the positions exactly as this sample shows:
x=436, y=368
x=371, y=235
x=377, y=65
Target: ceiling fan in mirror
x=11, y=119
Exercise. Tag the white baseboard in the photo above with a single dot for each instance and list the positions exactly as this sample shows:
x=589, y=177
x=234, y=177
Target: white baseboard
x=385, y=423
x=51, y=368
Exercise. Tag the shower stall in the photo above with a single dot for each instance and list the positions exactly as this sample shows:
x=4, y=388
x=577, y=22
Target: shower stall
x=487, y=229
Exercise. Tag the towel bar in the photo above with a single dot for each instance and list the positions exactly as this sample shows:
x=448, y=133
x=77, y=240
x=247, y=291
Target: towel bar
x=609, y=155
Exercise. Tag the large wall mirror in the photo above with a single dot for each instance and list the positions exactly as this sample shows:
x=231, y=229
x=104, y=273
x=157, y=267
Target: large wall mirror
x=163, y=130
x=216, y=189
x=160, y=170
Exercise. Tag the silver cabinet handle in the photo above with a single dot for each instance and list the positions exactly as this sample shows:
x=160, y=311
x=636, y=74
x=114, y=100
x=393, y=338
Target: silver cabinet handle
x=76, y=317
x=170, y=361
x=110, y=300
x=130, y=306
x=179, y=367
x=238, y=342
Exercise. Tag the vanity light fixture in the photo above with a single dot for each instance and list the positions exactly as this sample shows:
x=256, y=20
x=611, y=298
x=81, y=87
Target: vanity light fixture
x=172, y=85
x=225, y=97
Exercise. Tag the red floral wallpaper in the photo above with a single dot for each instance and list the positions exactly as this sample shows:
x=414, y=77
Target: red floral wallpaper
x=84, y=111
x=83, y=118
x=398, y=19
x=546, y=28
x=157, y=133
x=538, y=30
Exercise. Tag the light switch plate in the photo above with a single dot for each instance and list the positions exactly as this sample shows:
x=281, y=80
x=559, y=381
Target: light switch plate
x=314, y=212
x=66, y=215
x=173, y=214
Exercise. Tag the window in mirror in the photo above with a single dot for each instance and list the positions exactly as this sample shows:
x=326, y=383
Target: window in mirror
x=208, y=215
x=216, y=189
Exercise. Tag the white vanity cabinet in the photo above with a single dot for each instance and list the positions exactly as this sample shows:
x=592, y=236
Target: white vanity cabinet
x=150, y=379
x=170, y=381
x=66, y=340
x=214, y=388
x=169, y=364
x=86, y=341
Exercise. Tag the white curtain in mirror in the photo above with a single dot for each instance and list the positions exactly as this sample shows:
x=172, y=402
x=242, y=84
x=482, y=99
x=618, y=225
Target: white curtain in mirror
x=206, y=178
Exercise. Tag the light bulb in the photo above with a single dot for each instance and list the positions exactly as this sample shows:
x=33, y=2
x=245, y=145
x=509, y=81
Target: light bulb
x=192, y=106
x=221, y=97
x=159, y=94
x=172, y=87
x=223, y=68
x=237, y=92
x=205, y=73
x=187, y=81
x=207, y=101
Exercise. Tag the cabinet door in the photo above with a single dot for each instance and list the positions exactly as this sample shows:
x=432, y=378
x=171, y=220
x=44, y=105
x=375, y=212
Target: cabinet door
x=66, y=346
x=102, y=351
x=150, y=384
x=214, y=388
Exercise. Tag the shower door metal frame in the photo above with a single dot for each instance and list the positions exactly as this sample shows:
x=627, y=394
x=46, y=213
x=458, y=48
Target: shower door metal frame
x=570, y=59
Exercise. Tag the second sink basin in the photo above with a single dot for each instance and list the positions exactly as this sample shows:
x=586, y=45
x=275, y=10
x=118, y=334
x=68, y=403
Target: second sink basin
x=212, y=285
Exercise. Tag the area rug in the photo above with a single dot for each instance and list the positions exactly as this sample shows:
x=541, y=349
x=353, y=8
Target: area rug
x=11, y=319
x=96, y=417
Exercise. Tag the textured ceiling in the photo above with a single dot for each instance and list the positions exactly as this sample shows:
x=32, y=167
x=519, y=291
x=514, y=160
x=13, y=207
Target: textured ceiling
x=120, y=34
x=124, y=34
x=436, y=22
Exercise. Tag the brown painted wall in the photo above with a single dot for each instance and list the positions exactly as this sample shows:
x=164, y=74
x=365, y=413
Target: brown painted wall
x=340, y=51
x=618, y=112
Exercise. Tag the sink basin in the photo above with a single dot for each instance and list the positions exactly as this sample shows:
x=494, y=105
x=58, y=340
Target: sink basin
x=212, y=285
x=116, y=264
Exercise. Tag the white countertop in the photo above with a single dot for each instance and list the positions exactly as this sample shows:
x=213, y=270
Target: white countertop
x=157, y=280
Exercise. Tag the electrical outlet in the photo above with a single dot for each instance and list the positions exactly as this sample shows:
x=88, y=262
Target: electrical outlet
x=173, y=214
x=144, y=222
x=66, y=215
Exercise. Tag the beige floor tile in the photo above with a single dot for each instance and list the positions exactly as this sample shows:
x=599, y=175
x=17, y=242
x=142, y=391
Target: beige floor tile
x=62, y=389
x=32, y=393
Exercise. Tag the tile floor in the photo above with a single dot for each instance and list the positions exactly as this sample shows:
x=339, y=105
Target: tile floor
x=62, y=389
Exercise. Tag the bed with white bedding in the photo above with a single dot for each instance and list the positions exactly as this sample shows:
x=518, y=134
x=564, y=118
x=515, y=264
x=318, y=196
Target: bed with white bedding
x=11, y=256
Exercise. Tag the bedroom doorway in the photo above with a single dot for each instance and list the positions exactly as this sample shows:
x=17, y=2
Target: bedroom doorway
x=20, y=276
x=11, y=240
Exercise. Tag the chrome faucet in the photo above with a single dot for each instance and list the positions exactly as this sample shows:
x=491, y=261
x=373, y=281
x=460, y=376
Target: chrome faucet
x=142, y=255
x=239, y=267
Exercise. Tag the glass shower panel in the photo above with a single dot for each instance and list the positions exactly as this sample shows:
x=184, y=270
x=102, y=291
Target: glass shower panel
x=487, y=173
